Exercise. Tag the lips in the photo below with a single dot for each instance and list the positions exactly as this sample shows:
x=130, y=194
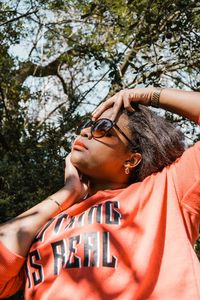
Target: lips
x=79, y=145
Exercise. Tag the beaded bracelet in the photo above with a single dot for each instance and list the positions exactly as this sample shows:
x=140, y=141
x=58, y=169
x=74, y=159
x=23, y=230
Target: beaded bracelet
x=56, y=202
x=155, y=98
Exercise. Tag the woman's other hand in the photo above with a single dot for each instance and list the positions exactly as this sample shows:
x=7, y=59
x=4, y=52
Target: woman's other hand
x=125, y=98
x=74, y=180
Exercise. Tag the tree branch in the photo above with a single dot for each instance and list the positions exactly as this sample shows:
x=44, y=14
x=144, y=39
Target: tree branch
x=49, y=114
x=19, y=17
x=28, y=68
x=180, y=80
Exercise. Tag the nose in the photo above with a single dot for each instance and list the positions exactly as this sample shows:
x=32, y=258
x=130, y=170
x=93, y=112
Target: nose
x=86, y=132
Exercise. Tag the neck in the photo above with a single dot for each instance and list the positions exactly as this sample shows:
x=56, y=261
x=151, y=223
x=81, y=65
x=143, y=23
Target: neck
x=96, y=186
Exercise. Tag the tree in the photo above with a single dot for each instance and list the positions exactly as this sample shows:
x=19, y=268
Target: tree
x=70, y=56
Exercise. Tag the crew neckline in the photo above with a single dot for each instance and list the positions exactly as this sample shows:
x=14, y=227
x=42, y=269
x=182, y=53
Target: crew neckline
x=99, y=196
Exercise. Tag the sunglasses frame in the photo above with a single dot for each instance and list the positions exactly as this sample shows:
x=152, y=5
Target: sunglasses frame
x=92, y=124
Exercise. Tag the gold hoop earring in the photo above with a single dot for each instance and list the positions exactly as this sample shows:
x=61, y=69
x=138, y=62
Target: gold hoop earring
x=127, y=171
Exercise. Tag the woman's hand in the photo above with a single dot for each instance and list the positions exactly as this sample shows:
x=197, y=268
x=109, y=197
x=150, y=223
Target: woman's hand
x=74, y=180
x=124, y=98
x=184, y=103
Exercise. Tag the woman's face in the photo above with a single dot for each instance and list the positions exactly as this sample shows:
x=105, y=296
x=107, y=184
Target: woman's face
x=103, y=158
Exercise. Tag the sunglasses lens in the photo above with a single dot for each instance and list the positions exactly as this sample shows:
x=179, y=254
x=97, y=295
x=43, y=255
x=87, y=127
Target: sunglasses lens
x=100, y=127
x=84, y=124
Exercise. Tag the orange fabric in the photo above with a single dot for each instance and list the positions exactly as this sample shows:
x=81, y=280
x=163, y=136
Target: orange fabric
x=129, y=244
x=11, y=278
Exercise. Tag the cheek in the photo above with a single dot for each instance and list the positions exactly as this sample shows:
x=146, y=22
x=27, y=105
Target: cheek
x=101, y=157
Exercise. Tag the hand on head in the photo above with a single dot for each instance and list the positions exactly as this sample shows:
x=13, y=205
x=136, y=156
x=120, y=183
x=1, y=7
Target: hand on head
x=124, y=98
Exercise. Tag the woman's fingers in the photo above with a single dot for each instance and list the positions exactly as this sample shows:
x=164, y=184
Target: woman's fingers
x=124, y=98
x=117, y=104
x=127, y=99
x=70, y=170
x=75, y=179
x=121, y=99
x=67, y=166
x=102, y=107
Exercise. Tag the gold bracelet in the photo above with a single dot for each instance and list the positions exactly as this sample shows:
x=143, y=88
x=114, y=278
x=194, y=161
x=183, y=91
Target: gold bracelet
x=155, y=98
x=56, y=202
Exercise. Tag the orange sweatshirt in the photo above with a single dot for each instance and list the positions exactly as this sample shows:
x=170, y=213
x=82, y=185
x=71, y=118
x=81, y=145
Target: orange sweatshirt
x=128, y=244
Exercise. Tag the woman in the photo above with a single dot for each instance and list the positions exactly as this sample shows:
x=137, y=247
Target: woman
x=125, y=222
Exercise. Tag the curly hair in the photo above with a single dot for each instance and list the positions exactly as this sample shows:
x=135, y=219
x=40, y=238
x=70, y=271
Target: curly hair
x=158, y=140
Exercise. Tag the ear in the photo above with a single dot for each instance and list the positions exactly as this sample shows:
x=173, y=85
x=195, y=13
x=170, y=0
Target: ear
x=133, y=161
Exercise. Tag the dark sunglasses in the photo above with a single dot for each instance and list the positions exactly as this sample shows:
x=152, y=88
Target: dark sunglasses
x=100, y=128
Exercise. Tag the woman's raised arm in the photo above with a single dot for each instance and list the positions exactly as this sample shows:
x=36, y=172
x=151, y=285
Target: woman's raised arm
x=18, y=233
x=184, y=103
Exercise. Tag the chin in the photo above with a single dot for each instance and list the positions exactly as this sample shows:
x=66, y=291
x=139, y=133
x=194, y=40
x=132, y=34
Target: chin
x=77, y=157
x=79, y=162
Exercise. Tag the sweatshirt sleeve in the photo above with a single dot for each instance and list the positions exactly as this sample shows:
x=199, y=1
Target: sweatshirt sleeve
x=186, y=177
x=11, y=272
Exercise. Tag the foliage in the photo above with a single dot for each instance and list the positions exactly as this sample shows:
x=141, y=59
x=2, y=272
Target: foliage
x=59, y=59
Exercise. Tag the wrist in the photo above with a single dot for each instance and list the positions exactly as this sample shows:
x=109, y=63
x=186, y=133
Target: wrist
x=155, y=98
x=64, y=198
x=146, y=95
